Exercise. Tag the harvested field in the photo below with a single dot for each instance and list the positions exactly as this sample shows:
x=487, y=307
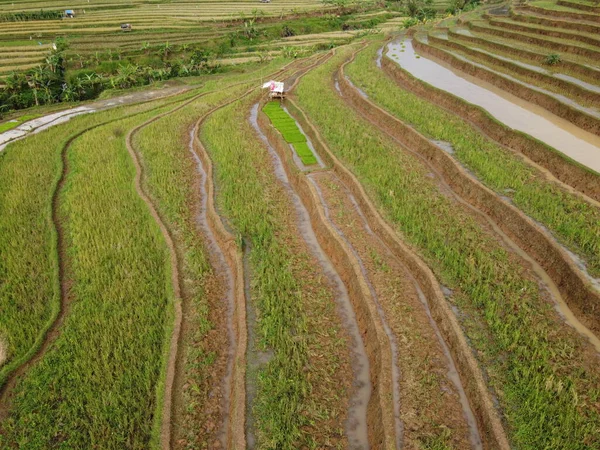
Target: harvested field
x=401, y=252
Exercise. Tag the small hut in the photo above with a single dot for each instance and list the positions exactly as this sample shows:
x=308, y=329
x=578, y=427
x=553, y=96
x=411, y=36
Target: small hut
x=125, y=27
x=276, y=88
x=69, y=13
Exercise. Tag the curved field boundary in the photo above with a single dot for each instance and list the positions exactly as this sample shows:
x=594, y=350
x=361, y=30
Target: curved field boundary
x=577, y=5
x=571, y=66
x=554, y=23
x=473, y=378
x=52, y=328
x=563, y=14
x=165, y=429
x=569, y=88
x=578, y=293
x=380, y=411
x=555, y=33
x=577, y=117
x=534, y=40
x=555, y=165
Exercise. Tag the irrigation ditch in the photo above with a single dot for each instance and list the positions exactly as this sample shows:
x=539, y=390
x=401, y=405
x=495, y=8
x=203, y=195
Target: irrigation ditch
x=563, y=168
x=523, y=235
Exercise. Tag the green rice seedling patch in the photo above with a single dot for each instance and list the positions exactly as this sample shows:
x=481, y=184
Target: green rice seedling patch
x=573, y=221
x=301, y=390
x=545, y=378
x=288, y=128
x=98, y=382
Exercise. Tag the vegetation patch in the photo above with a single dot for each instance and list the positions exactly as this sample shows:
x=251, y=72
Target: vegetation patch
x=301, y=389
x=104, y=367
x=288, y=128
x=535, y=363
x=572, y=220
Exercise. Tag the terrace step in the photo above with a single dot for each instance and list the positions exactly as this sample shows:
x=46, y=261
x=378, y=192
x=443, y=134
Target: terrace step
x=591, y=74
x=575, y=88
x=554, y=23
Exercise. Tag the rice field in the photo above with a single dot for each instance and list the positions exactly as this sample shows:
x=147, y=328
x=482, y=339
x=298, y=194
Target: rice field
x=401, y=252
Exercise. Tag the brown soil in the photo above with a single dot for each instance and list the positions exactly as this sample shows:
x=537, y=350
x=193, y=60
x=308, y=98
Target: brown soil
x=556, y=33
x=568, y=172
x=582, y=298
x=571, y=66
x=380, y=412
x=577, y=5
x=535, y=40
x=548, y=22
x=428, y=399
x=578, y=93
x=562, y=14
x=173, y=376
x=560, y=109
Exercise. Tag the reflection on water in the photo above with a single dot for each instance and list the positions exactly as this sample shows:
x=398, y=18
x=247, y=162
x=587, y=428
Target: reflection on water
x=578, y=144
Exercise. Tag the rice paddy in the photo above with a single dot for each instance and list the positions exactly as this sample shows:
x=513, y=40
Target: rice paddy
x=400, y=252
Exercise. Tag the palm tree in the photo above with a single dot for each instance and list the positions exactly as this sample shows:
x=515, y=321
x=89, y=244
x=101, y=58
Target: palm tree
x=166, y=49
x=146, y=47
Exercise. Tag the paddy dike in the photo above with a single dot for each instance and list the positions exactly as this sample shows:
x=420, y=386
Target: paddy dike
x=505, y=119
x=521, y=234
x=531, y=37
x=581, y=92
x=368, y=287
x=581, y=70
x=588, y=119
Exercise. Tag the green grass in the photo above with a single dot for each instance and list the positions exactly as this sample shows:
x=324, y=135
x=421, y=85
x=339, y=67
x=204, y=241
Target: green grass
x=547, y=390
x=16, y=122
x=573, y=221
x=29, y=170
x=300, y=396
x=170, y=176
x=98, y=383
x=288, y=128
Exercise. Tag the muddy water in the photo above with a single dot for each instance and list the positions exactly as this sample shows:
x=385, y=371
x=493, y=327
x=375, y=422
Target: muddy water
x=379, y=57
x=594, y=112
x=388, y=331
x=580, y=145
x=560, y=305
x=452, y=374
x=219, y=262
x=356, y=426
x=570, y=79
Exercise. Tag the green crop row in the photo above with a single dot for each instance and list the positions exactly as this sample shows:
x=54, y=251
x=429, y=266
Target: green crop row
x=288, y=128
x=573, y=221
x=170, y=182
x=301, y=390
x=98, y=383
x=537, y=366
x=29, y=292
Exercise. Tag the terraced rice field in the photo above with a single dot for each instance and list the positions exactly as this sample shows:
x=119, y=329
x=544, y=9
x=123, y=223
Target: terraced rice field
x=96, y=26
x=401, y=253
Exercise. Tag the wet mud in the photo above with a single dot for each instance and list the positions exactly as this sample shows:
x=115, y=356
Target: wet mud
x=482, y=403
x=518, y=232
x=474, y=109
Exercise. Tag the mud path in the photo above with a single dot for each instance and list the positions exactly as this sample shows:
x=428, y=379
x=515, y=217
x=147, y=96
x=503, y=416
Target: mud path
x=356, y=427
x=405, y=313
x=588, y=119
x=473, y=380
x=552, y=265
x=173, y=363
